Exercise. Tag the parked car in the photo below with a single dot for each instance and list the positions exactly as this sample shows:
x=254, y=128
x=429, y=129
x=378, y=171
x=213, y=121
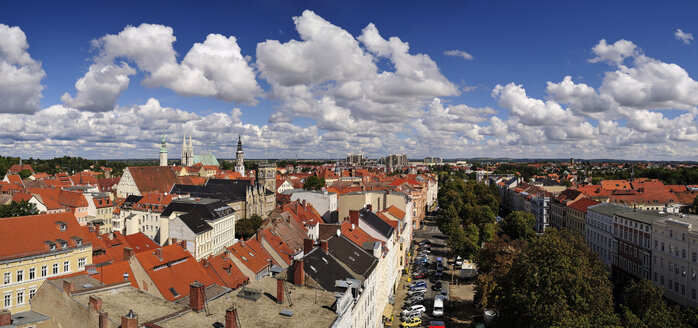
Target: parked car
x=415, y=308
x=418, y=283
x=436, y=286
x=414, y=322
x=414, y=298
x=417, y=289
x=425, y=242
x=438, y=306
x=424, y=251
x=410, y=315
x=419, y=275
x=415, y=302
x=423, y=260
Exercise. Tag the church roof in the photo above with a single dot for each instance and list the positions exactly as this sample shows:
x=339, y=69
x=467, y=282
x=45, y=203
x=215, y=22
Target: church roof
x=206, y=160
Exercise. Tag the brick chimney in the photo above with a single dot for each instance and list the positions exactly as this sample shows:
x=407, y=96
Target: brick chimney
x=128, y=253
x=298, y=272
x=354, y=217
x=369, y=207
x=5, y=318
x=174, y=241
x=325, y=246
x=103, y=320
x=307, y=245
x=95, y=303
x=231, y=318
x=158, y=253
x=279, y=291
x=68, y=286
x=197, y=296
x=258, y=235
x=130, y=320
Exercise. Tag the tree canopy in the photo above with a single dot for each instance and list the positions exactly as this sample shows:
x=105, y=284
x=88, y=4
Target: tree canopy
x=247, y=227
x=519, y=225
x=20, y=208
x=313, y=183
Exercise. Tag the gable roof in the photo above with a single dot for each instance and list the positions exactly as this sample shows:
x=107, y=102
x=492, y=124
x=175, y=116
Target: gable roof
x=396, y=212
x=71, y=199
x=16, y=168
x=153, y=178
x=582, y=204
x=382, y=227
x=31, y=235
x=357, y=235
x=223, y=271
x=176, y=270
x=278, y=245
x=251, y=254
x=325, y=269
x=353, y=256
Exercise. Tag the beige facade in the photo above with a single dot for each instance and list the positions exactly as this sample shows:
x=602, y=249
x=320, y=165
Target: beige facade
x=22, y=276
x=379, y=200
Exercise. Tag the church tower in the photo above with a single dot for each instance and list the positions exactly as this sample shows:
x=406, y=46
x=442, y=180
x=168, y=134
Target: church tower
x=163, y=152
x=183, y=161
x=239, y=159
x=190, y=153
x=266, y=176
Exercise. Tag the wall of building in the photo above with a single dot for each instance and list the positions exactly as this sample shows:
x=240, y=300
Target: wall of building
x=65, y=311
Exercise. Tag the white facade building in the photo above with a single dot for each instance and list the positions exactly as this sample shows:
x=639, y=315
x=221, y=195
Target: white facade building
x=675, y=257
x=599, y=231
x=324, y=202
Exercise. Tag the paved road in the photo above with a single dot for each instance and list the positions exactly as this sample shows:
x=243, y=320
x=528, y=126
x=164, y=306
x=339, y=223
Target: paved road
x=429, y=231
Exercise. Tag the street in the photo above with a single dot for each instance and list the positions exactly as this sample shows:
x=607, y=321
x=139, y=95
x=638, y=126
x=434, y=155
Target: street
x=459, y=309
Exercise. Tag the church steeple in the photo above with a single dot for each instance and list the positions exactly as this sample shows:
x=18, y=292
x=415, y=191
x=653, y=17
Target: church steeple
x=163, y=151
x=240, y=158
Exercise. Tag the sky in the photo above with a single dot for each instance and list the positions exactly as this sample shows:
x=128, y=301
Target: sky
x=320, y=79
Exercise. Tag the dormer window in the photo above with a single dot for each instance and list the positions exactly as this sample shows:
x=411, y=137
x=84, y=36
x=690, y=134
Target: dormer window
x=64, y=245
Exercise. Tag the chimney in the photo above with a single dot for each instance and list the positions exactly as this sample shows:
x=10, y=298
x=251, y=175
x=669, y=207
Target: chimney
x=197, y=296
x=298, y=272
x=103, y=320
x=307, y=245
x=128, y=253
x=259, y=235
x=5, y=318
x=95, y=303
x=324, y=245
x=280, y=291
x=130, y=320
x=204, y=262
x=158, y=253
x=369, y=207
x=354, y=217
x=68, y=286
x=231, y=318
x=174, y=241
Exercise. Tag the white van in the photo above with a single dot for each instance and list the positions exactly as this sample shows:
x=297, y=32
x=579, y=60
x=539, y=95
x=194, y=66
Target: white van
x=438, y=306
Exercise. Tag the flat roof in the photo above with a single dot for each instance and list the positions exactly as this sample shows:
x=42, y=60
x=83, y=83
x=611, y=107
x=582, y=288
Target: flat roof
x=264, y=312
x=608, y=209
x=682, y=219
x=27, y=317
x=646, y=217
x=120, y=300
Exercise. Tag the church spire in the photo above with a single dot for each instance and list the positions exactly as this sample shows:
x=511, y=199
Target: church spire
x=240, y=158
x=163, y=151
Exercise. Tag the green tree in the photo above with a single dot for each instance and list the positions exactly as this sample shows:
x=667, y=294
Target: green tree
x=313, y=183
x=24, y=174
x=557, y=281
x=519, y=225
x=21, y=208
x=464, y=241
x=247, y=227
x=644, y=300
x=494, y=260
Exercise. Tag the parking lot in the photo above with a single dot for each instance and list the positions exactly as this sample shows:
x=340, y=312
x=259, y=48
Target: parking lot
x=459, y=309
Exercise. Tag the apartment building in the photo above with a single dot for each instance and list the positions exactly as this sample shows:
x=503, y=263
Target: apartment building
x=599, y=231
x=36, y=247
x=632, y=231
x=675, y=257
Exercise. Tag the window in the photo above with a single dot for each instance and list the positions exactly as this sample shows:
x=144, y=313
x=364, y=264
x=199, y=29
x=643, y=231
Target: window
x=66, y=266
x=683, y=253
x=8, y=300
x=20, y=275
x=174, y=292
x=81, y=263
x=656, y=244
x=55, y=268
x=31, y=293
x=32, y=273
x=8, y=278
x=683, y=290
x=694, y=256
x=43, y=271
x=662, y=246
x=20, y=297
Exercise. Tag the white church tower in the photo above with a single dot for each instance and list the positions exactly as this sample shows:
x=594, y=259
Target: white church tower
x=187, y=158
x=163, y=152
x=239, y=159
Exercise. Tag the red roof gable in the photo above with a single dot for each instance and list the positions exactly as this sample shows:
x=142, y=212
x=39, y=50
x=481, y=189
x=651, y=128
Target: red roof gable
x=21, y=196
x=582, y=204
x=26, y=235
x=356, y=234
x=251, y=254
x=154, y=202
x=16, y=168
x=14, y=178
x=177, y=270
x=278, y=244
x=71, y=199
x=140, y=242
x=153, y=178
x=223, y=271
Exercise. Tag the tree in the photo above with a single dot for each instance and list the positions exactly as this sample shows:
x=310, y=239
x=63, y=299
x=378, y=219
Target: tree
x=464, y=241
x=247, y=227
x=313, y=183
x=493, y=261
x=556, y=281
x=643, y=300
x=518, y=225
x=24, y=174
x=21, y=208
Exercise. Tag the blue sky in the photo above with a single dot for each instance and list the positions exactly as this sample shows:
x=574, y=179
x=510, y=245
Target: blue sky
x=645, y=101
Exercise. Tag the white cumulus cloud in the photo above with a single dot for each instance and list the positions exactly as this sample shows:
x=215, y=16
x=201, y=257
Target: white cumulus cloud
x=459, y=53
x=20, y=75
x=685, y=37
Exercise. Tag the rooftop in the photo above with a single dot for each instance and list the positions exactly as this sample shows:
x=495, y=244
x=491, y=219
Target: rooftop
x=608, y=209
x=646, y=217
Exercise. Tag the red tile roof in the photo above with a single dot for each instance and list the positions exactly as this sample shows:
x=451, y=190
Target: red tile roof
x=71, y=199
x=251, y=254
x=278, y=244
x=396, y=212
x=16, y=168
x=356, y=235
x=153, y=178
x=48, y=197
x=40, y=175
x=223, y=271
x=27, y=235
x=154, y=202
x=305, y=214
x=107, y=184
x=14, y=178
x=21, y=196
x=84, y=178
x=615, y=184
x=177, y=270
x=140, y=242
x=387, y=220
x=582, y=204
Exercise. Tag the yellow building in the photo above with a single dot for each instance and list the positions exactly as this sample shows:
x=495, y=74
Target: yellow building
x=34, y=248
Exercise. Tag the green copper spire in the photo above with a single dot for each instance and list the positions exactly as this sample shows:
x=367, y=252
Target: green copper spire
x=163, y=146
